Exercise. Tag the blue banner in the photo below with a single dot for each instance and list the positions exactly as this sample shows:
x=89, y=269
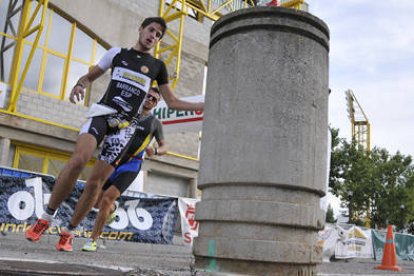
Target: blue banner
x=404, y=245
x=24, y=196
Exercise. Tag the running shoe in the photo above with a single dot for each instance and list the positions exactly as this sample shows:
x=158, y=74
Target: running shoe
x=90, y=246
x=65, y=242
x=112, y=216
x=36, y=231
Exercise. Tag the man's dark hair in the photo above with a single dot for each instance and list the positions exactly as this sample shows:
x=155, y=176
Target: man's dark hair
x=158, y=20
x=156, y=90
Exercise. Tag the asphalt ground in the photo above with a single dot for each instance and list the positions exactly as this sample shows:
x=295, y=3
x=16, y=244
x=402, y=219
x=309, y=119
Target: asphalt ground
x=21, y=257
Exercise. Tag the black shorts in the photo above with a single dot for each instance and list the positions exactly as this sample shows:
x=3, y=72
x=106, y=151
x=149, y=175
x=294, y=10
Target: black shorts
x=116, y=141
x=121, y=182
x=97, y=127
x=124, y=175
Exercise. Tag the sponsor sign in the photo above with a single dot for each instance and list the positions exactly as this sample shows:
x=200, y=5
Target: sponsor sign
x=131, y=77
x=178, y=120
x=353, y=242
x=22, y=200
x=404, y=245
x=189, y=226
x=327, y=239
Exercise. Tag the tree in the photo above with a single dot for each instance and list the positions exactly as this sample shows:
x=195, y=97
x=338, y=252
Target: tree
x=392, y=189
x=374, y=185
x=349, y=176
x=330, y=215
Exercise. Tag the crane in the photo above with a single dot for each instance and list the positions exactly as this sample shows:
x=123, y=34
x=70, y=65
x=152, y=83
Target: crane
x=361, y=127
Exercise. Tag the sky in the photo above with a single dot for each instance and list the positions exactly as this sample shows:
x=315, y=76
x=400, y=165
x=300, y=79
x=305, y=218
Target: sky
x=372, y=53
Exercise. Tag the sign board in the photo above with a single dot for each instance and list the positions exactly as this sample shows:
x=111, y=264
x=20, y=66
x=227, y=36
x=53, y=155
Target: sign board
x=189, y=226
x=177, y=120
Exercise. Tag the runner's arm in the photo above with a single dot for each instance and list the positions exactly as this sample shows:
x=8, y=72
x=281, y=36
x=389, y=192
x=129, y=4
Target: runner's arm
x=78, y=91
x=174, y=103
x=160, y=150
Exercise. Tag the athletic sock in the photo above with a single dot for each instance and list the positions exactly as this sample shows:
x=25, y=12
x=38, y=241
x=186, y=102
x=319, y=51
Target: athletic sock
x=48, y=214
x=50, y=211
x=114, y=206
x=70, y=228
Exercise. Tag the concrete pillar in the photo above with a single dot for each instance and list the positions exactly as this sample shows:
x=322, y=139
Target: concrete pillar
x=264, y=145
x=4, y=151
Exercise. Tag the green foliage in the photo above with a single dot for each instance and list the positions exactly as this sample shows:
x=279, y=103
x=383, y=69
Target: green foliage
x=330, y=215
x=372, y=184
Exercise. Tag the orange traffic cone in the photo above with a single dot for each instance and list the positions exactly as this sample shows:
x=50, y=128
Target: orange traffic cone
x=389, y=257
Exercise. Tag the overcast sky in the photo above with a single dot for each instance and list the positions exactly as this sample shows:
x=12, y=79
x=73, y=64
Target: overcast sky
x=372, y=53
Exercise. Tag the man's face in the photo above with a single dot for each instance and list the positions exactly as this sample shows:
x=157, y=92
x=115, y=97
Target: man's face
x=150, y=35
x=151, y=100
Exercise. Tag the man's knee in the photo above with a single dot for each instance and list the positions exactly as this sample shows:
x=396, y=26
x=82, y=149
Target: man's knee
x=93, y=186
x=106, y=201
x=78, y=162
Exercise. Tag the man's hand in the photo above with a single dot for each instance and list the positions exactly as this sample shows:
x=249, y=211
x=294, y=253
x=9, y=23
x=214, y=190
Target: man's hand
x=199, y=106
x=150, y=151
x=78, y=93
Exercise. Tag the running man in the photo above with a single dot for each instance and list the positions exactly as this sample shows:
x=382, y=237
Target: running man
x=129, y=166
x=133, y=72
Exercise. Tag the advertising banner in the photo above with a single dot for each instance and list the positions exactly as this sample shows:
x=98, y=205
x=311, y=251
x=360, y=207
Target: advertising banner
x=404, y=245
x=23, y=199
x=178, y=120
x=353, y=242
x=327, y=239
x=189, y=226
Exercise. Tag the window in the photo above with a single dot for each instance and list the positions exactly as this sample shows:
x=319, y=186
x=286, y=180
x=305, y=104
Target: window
x=43, y=160
x=9, y=22
x=64, y=52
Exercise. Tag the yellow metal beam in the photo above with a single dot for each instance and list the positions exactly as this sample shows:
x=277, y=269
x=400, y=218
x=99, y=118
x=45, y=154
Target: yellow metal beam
x=17, y=114
x=182, y=156
x=25, y=29
x=178, y=10
x=294, y=4
x=173, y=51
x=67, y=62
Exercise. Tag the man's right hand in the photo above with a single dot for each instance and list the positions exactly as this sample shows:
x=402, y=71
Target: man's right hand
x=77, y=94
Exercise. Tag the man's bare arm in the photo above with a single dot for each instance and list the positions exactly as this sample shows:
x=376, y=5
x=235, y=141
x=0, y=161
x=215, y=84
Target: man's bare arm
x=160, y=150
x=78, y=91
x=174, y=103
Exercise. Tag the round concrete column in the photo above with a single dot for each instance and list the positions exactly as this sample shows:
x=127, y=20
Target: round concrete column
x=264, y=145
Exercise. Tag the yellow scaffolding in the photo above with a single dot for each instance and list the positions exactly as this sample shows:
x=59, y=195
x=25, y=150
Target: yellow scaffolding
x=172, y=10
x=25, y=29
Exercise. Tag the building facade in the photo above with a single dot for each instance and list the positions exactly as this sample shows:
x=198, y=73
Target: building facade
x=39, y=126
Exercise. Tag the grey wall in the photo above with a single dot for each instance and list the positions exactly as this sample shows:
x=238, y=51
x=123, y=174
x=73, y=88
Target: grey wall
x=166, y=185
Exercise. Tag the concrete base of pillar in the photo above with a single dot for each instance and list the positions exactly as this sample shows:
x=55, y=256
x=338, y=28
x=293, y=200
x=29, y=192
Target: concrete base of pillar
x=210, y=266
